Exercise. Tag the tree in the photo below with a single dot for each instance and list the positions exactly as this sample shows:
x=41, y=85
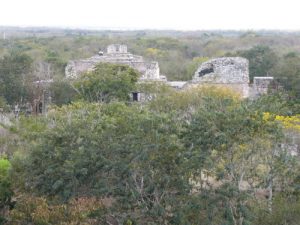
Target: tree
x=62, y=92
x=262, y=59
x=287, y=72
x=109, y=150
x=107, y=82
x=231, y=150
x=15, y=79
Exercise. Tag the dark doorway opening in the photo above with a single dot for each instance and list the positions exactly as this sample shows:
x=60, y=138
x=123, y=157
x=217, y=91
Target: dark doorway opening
x=135, y=96
x=40, y=107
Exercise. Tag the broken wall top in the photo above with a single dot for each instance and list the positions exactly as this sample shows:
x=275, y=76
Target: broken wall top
x=116, y=48
x=225, y=70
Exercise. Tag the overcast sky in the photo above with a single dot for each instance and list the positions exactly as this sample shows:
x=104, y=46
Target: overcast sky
x=153, y=14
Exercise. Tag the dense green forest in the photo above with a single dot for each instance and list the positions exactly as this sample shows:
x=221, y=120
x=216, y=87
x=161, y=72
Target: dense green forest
x=203, y=155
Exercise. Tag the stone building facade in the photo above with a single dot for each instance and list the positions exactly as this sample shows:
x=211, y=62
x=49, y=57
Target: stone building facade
x=118, y=54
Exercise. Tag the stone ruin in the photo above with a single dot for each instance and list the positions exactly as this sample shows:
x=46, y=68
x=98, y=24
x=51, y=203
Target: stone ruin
x=261, y=85
x=116, y=54
x=233, y=70
x=230, y=72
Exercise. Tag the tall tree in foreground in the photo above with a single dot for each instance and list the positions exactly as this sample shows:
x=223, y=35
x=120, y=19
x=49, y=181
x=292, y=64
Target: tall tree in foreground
x=107, y=82
x=232, y=150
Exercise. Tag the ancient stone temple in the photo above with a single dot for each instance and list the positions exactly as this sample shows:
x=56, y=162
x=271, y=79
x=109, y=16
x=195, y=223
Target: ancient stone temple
x=232, y=72
x=116, y=54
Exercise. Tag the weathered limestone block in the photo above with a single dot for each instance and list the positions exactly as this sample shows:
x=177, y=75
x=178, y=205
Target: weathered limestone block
x=177, y=84
x=261, y=84
x=151, y=71
x=116, y=48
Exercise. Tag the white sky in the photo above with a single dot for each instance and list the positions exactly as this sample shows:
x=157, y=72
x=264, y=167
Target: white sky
x=153, y=14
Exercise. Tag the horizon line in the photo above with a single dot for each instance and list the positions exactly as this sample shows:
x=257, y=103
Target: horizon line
x=100, y=28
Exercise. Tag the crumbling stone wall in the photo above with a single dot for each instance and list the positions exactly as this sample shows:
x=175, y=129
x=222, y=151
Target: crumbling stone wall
x=262, y=84
x=75, y=68
x=223, y=71
x=232, y=72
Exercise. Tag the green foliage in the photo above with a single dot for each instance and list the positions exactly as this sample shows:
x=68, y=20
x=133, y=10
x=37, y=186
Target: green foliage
x=6, y=191
x=287, y=73
x=286, y=210
x=62, y=92
x=14, y=75
x=262, y=60
x=4, y=167
x=175, y=50
x=223, y=140
x=282, y=103
x=133, y=153
x=175, y=163
x=107, y=82
x=56, y=61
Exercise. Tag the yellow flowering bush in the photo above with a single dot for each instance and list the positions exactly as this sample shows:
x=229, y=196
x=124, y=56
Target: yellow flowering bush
x=289, y=122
